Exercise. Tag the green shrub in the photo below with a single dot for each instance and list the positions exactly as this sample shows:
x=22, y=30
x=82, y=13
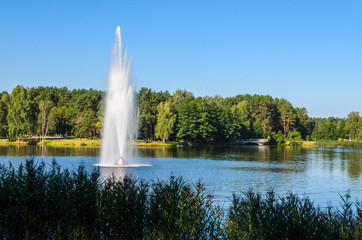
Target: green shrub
x=274, y=217
x=277, y=138
x=123, y=207
x=182, y=211
x=40, y=202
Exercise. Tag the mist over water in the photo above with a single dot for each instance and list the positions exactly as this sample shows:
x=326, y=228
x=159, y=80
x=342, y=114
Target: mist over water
x=118, y=106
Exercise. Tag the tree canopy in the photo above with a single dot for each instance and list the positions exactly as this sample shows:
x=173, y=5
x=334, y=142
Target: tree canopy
x=160, y=115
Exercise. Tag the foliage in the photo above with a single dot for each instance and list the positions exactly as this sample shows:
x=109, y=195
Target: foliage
x=198, y=121
x=182, y=211
x=354, y=125
x=165, y=121
x=277, y=138
x=4, y=99
x=46, y=117
x=38, y=204
x=48, y=202
x=20, y=116
x=148, y=101
x=86, y=126
x=253, y=217
x=287, y=116
x=160, y=115
x=333, y=129
x=294, y=136
x=123, y=208
x=339, y=143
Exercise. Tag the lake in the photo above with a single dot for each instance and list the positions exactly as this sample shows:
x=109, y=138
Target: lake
x=320, y=173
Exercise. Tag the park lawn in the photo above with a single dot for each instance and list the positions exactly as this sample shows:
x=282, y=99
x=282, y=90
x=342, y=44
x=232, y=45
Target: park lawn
x=83, y=142
x=77, y=142
x=98, y=142
x=308, y=143
x=6, y=141
x=142, y=143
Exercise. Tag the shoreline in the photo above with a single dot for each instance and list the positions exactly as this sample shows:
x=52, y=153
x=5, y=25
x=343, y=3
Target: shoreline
x=84, y=142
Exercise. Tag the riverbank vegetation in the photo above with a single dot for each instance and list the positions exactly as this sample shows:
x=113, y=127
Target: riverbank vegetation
x=48, y=202
x=339, y=143
x=59, y=112
x=76, y=142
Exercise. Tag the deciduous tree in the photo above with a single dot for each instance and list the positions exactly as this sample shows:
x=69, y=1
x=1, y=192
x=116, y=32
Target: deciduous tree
x=353, y=125
x=19, y=117
x=165, y=121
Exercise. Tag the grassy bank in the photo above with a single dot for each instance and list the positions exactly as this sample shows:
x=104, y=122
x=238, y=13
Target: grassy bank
x=76, y=142
x=98, y=142
x=140, y=143
x=339, y=143
x=36, y=203
x=308, y=144
x=82, y=142
x=5, y=141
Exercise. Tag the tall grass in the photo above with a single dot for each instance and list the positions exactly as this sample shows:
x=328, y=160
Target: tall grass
x=339, y=143
x=289, y=217
x=182, y=211
x=40, y=202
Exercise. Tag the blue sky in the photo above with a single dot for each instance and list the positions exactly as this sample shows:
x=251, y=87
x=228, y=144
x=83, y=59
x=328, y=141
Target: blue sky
x=309, y=52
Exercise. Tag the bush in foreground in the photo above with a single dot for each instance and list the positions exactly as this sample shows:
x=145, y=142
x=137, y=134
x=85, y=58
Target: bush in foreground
x=38, y=202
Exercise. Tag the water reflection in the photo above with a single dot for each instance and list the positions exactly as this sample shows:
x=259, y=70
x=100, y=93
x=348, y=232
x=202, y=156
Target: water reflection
x=116, y=172
x=20, y=150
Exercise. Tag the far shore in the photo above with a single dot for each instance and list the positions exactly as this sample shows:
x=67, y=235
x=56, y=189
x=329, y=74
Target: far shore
x=84, y=142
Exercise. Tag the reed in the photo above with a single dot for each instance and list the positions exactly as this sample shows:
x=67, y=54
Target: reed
x=253, y=217
x=339, y=143
x=182, y=211
x=48, y=202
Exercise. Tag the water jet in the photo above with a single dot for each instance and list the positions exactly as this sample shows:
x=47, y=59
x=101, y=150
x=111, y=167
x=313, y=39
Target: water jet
x=118, y=108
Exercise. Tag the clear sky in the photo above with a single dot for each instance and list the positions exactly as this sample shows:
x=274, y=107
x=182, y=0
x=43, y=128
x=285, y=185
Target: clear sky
x=309, y=52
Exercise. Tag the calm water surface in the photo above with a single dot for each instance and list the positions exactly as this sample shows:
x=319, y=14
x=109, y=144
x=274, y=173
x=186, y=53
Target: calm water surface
x=320, y=173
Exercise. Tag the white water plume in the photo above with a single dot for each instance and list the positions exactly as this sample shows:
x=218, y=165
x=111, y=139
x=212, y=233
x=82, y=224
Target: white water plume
x=118, y=107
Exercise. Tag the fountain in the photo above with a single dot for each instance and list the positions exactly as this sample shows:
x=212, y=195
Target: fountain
x=118, y=110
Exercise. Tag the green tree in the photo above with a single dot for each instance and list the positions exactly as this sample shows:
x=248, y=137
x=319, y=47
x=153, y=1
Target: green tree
x=86, y=127
x=47, y=118
x=277, y=138
x=20, y=120
x=241, y=113
x=198, y=121
x=303, y=123
x=263, y=110
x=294, y=136
x=227, y=128
x=342, y=133
x=353, y=125
x=257, y=130
x=4, y=101
x=179, y=97
x=286, y=115
x=208, y=121
x=165, y=121
x=148, y=101
x=65, y=121
x=329, y=131
x=188, y=121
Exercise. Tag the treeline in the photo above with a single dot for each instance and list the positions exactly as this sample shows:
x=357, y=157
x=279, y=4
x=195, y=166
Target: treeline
x=181, y=116
x=338, y=128
x=50, y=111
